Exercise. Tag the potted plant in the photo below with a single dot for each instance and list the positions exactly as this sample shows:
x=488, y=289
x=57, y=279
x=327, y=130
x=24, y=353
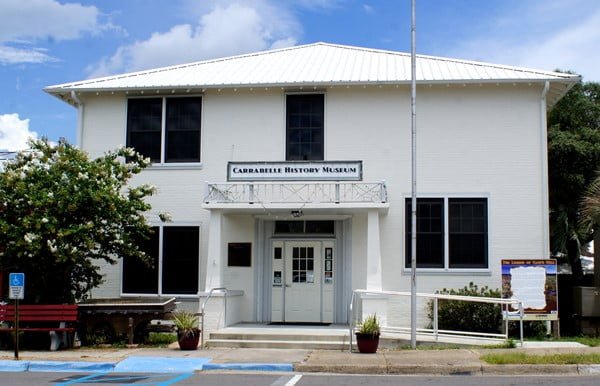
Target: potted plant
x=188, y=333
x=367, y=335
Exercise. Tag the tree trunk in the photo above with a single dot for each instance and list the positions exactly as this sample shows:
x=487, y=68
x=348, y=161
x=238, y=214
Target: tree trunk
x=597, y=256
x=574, y=256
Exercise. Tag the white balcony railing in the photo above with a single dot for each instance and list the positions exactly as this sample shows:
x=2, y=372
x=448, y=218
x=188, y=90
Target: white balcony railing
x=296, y=192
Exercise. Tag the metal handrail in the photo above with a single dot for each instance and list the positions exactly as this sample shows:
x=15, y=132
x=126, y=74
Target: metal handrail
x=222, y=289
x=477, y=299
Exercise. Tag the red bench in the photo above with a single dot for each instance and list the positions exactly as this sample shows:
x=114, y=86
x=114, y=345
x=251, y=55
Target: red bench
x=39, y=318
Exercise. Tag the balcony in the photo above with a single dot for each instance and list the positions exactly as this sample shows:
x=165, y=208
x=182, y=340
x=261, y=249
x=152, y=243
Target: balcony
x=284, y=194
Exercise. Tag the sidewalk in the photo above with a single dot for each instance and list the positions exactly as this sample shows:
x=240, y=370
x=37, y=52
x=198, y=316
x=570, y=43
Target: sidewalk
x=423, y=361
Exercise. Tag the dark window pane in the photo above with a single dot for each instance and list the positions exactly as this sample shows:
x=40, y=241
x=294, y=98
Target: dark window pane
x=468, y=233
x=239, y=254
x=180, y=260
x=289, y=226
x=277, y=253
x=305, y=125
x=183, y=129
x=430, y=235
x=320, y=227
x=139, y=277
x=144, y=120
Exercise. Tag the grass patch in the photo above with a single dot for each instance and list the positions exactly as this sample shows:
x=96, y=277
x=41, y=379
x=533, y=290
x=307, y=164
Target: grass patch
x=510, y=343
x=553, y=359
x=587, y=340
x=161, y=339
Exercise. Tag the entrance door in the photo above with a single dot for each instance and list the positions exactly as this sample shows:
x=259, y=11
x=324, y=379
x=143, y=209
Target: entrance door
x=303, y=281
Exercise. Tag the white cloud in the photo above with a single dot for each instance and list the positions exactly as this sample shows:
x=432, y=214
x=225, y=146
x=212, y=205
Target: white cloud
x=367, y=8
x=230, y=29
x=558, y=37
x=13, y=55
x=26, y=22
x=14, y=132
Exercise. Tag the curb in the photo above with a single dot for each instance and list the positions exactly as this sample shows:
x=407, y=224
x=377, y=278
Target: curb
x=529, y=369
x=280, y=367
x=56, y=366
x=167, y=366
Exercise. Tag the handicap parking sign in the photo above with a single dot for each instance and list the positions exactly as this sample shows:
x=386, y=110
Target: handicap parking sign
x=16, y=283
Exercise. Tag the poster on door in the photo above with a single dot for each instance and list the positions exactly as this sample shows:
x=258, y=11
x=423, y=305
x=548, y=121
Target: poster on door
x=534, y=282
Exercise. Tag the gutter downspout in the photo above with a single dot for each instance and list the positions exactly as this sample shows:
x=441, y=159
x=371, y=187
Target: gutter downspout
x=80, y=112
x=544, y=161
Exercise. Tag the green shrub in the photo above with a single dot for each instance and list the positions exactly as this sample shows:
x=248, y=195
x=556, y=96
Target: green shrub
x=468, y=316
x=161, y=338
x=531, y=329
x=369, y=326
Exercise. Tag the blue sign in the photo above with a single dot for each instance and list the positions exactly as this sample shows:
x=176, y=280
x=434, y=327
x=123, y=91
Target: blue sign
x=16, y=284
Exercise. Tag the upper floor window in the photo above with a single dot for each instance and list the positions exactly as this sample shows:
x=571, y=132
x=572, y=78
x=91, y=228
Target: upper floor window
x=304, y=127
x=465, y=245
x=165, y=129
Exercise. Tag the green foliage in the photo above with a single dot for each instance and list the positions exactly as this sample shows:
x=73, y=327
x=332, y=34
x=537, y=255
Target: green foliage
x=592, y=341
x=573, y=161
x=369, y=326
x=531, y=329
x=161, y=338
x=62, y=213
x=186, y=322
x=468, y=316
x=507, y=358
x=590, y=206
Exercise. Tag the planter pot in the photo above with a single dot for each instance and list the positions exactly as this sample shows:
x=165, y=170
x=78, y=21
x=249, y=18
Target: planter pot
x=367, y=343
x=188, y=341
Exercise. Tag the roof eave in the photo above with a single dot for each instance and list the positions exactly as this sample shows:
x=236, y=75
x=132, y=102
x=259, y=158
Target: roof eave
x=344, y=83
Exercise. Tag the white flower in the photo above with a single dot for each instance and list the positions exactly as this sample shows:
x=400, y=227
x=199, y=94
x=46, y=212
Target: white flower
x=50, y=195
x=51, y=245
x=44, y=220
x=29, y=237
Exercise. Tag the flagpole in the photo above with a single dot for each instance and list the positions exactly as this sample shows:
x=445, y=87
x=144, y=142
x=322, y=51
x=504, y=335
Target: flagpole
x=413, y=122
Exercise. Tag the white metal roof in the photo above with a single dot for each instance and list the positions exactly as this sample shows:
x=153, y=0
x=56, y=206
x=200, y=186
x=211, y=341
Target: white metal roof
x=318, y=64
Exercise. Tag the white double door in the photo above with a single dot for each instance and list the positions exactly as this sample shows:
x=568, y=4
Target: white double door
x=303, y=281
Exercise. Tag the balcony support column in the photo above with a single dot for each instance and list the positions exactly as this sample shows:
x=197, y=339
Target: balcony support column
x=374, y=279
x=214, y=260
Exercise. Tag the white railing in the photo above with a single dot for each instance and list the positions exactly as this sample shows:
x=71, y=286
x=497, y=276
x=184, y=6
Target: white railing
x=201, y=311
x=297, y=192
x=435, y=331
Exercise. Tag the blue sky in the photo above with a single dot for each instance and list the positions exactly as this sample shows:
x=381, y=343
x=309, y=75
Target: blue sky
x=46, y=42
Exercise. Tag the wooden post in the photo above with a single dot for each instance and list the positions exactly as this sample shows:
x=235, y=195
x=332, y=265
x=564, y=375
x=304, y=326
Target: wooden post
x=16, y=340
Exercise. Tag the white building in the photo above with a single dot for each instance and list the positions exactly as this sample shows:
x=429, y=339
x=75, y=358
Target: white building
x=287, y=175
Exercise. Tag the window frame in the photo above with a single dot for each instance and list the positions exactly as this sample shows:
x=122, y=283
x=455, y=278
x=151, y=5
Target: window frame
x=161, y=292
x=446, y=247
x=286, y=123
x=163, y=131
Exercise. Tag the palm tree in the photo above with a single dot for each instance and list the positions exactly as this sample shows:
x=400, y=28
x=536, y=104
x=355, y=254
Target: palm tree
x=590, y=218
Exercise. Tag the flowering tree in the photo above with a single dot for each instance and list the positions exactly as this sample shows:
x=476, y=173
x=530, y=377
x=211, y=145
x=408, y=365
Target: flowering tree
x=61, y=213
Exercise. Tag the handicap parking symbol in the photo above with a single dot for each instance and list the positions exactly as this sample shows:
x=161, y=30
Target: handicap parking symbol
x=17, y=279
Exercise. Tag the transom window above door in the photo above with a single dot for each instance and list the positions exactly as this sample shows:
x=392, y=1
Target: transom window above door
x=167, y=130
x=304, y=127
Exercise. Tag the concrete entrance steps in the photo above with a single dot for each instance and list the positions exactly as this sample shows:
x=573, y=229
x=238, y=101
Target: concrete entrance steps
x=283, y=337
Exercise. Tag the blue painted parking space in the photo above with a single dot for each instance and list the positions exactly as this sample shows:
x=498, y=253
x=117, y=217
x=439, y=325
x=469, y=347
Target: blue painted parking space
x=140, y=364
x=137, y=379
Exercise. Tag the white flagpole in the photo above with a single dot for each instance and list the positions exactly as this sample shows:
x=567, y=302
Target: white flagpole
x=413, y=251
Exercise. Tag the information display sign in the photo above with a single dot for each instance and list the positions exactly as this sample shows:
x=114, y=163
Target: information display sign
x=533, y=282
